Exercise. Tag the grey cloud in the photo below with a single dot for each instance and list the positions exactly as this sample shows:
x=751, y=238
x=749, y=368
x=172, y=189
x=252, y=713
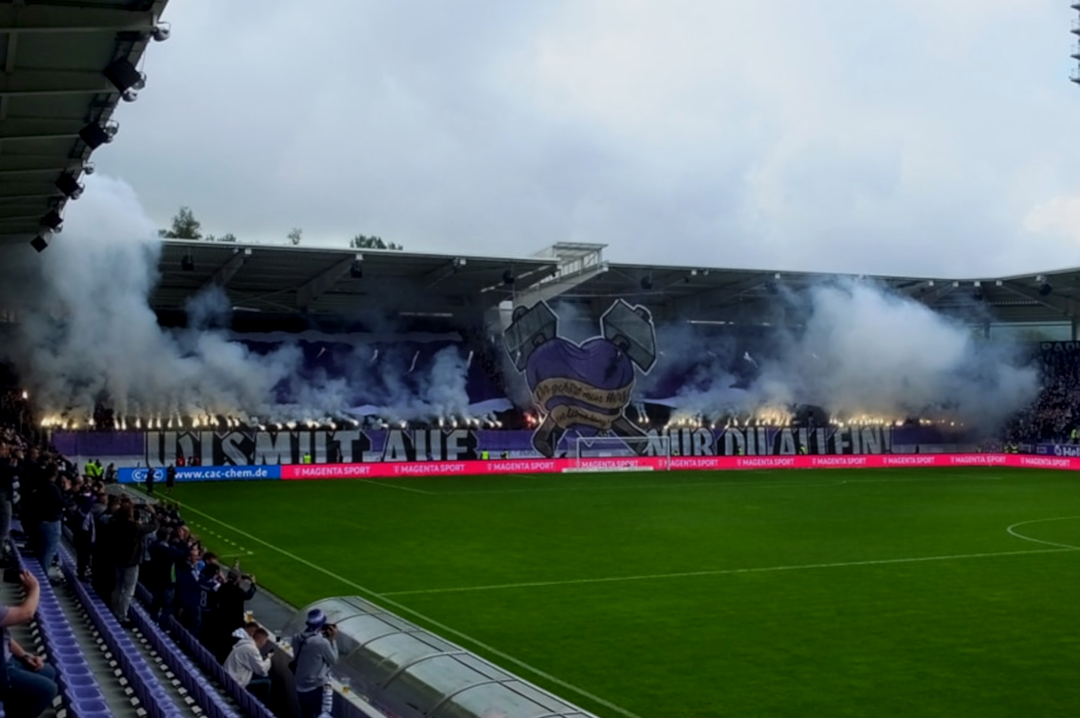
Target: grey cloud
x=900, y=137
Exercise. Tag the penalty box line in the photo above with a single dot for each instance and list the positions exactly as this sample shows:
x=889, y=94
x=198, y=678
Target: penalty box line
x=430, y=621
x=725, y=572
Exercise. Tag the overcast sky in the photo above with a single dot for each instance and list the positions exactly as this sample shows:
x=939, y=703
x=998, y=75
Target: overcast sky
x=931, y=137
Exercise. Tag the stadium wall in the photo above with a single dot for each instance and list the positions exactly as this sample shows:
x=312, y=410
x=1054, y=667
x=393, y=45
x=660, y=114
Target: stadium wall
x=246, y=447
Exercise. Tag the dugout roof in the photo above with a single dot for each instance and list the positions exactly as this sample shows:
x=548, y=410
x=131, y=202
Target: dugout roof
x=54, y=86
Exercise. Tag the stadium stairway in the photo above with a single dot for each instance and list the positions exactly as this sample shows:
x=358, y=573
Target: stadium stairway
x=147, y=673
x=89, y=684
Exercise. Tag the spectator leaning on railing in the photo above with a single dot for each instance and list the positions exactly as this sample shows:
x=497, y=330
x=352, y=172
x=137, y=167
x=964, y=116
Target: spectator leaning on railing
x=247, y=663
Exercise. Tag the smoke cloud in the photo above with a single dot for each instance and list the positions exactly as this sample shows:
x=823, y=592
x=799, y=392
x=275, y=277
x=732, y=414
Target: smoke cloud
x=87, y=335
x=859, y=350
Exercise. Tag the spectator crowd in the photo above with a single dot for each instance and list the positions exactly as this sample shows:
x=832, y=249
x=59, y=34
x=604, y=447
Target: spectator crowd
x=1055, y=415
x=121, y=542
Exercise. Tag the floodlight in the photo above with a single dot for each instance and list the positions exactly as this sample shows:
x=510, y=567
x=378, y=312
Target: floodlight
x=1045, y=289
x=40, y=245
x=356, y=271
x=161, y=32
x=69, y=186
x=187, y=264
x=508, y=278
x=646, y=282
x=123, y=75
x=129, y=96
x=52, y=220
x=94, y=135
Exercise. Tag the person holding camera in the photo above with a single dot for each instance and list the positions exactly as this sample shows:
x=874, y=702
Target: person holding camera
x=315, y=652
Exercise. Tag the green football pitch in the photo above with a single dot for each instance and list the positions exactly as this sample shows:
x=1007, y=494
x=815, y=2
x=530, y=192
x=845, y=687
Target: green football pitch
x=789, y=593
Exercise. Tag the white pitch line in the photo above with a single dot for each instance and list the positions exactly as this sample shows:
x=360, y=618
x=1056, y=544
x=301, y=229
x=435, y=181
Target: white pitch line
x=439, y=626
x=726, y=572
x=373, y=482
x=1064, y=546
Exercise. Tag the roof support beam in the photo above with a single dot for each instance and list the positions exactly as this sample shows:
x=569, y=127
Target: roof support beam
x=53, y=82
x=323, y=281
x=712, y=297
x=1067, y=307
x=39, y=129
x=228, y=270
x=53, y=167
x=447, y=270
x=51, y=18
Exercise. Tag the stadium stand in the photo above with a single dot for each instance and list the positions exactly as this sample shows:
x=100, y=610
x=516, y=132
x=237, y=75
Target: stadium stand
x=1054, y=416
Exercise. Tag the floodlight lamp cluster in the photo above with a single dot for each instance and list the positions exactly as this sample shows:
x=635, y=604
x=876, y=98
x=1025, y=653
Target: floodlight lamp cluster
x=128, y=81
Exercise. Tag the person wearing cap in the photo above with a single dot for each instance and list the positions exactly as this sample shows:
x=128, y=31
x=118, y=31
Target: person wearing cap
x=315, y=652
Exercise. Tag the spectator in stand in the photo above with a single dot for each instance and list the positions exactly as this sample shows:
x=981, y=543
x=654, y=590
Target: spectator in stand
x=10, y=462
x=237, y=589
x=210, y=582
x=126, y=534
x=159, y=574
x=315, y=652
x=83, y=529
x=102, y=559
x=187, y=592
x=247, y=663
x=31, y=683
x=50, y=512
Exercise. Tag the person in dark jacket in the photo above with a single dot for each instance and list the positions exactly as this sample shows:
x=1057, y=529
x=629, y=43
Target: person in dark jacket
x=209, y=584
x=83, y=530
x=160, y=574
x=50, y=513
x=187, y=592
x=126, y=536
x=10, y=463
x=237, y=589
x=102, y=559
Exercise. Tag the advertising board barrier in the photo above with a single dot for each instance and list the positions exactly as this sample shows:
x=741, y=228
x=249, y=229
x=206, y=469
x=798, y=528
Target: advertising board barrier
x=700, y=463
x=1071, y=450
x=191, y=474
x=405, y=469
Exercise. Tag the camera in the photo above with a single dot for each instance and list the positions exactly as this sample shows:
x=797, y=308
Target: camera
x=328, y=629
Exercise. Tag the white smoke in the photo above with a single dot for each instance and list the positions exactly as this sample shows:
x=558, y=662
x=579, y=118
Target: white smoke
x=863, y=350
x=88, y=335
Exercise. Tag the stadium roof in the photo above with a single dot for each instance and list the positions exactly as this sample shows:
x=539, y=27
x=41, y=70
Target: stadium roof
x=287, y=279
x=53, y=88
x=734, y=294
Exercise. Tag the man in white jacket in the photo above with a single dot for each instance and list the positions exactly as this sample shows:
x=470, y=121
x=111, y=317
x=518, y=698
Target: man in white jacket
x=246, y=663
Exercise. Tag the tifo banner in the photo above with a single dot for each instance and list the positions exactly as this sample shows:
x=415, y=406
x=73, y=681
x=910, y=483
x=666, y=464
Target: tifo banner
x=385, y=470
x=245, y=447
x=202, y=473
x=582, y=387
